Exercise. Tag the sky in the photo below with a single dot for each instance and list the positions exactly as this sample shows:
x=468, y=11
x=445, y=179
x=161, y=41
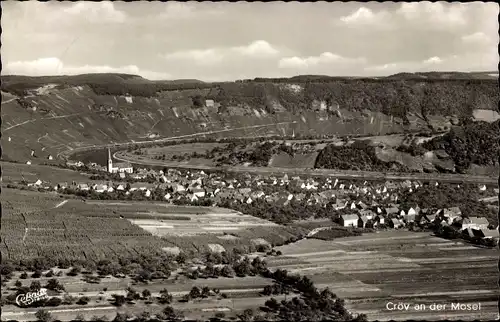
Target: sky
x=227, y=41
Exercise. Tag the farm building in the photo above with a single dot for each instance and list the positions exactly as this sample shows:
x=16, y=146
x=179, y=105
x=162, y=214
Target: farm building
x=349, y=220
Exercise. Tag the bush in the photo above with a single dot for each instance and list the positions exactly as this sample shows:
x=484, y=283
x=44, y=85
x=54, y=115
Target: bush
x=84, y=300
x=37, y=274
x=54, y=301
x=43, y=316
x=23, y=275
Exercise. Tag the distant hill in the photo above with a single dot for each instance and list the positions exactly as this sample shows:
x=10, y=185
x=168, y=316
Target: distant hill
x=53, y=114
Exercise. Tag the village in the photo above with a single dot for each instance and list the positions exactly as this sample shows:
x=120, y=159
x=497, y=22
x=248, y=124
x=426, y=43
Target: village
x=356, y=204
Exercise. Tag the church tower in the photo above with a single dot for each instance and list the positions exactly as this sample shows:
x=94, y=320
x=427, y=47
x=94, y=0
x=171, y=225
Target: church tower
x=110, y=162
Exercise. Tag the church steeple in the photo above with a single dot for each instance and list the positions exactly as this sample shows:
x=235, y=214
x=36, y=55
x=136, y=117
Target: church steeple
x=110, y=162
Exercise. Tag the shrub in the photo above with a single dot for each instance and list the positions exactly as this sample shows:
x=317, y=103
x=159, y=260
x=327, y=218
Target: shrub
x=84, y=300
x=43, y=316
x=54, y=301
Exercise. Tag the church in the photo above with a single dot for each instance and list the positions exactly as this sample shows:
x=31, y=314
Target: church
x=118, y=167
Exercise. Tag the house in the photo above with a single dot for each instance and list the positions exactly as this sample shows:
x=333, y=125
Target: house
x=340, y=204
x=391, y=210
x=168, y=196
x=83, y=187
x=362, y=221
x=367, y=213
x=177, y=188
x=110, y=189
x=249, y=200
x=209, y=103
x=28, y=162
x=198, y=192
x=327, y=194
x=362, y=205
x=430, y=218
x=148, y=193
x=50, y=157
x=349, y=220
x=379, y=219
x=192, y=197
x=475, y=222
x=395, y=223
x=120, y=187
x=409, y=218
x=300, y=196
x=412, y=211
x=100, y=188
x=482, y=188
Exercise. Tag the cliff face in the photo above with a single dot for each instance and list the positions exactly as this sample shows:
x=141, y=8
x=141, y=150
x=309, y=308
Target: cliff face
x=55, y=114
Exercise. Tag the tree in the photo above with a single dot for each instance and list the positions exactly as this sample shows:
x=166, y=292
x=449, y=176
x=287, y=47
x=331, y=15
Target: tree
x=54, y=301
x=84, y=300
x=79, y=317
x=23, y=275
x=54, y=285
x=35, y=286
x=68, y=299
x=118, y=300
x=74, y=271
x=165, y=297
x=37, y=274
x=272, y=303
x=18, y=284
x=195, y=292
x=205, y=292
x=146, y=294
x=247, y=315
x=43, y=316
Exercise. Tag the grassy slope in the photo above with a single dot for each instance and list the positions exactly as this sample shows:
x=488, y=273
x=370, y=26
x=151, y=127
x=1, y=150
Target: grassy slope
x=68, y=117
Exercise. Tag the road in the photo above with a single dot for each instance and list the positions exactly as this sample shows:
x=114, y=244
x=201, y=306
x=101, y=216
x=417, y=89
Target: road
x=340, y=174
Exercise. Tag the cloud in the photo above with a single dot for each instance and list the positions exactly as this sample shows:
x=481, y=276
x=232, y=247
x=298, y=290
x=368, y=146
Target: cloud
x=54, y=66
x=199, y=56
x=364, y=16
x=478, y=38
x=433, y=60
x=96, y=12
x=256, y=49
x=259, y=48
x=182, y=10
x=438, y=14
x=313, y=61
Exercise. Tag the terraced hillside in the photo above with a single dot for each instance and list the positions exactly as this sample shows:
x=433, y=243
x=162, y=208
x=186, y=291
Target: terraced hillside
x=51, y=115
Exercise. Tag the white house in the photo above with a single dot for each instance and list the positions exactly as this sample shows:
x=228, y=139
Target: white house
x=120, y=187
x=349, y=220
x=148, y=193
x=28, y=162
x=50, y=157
